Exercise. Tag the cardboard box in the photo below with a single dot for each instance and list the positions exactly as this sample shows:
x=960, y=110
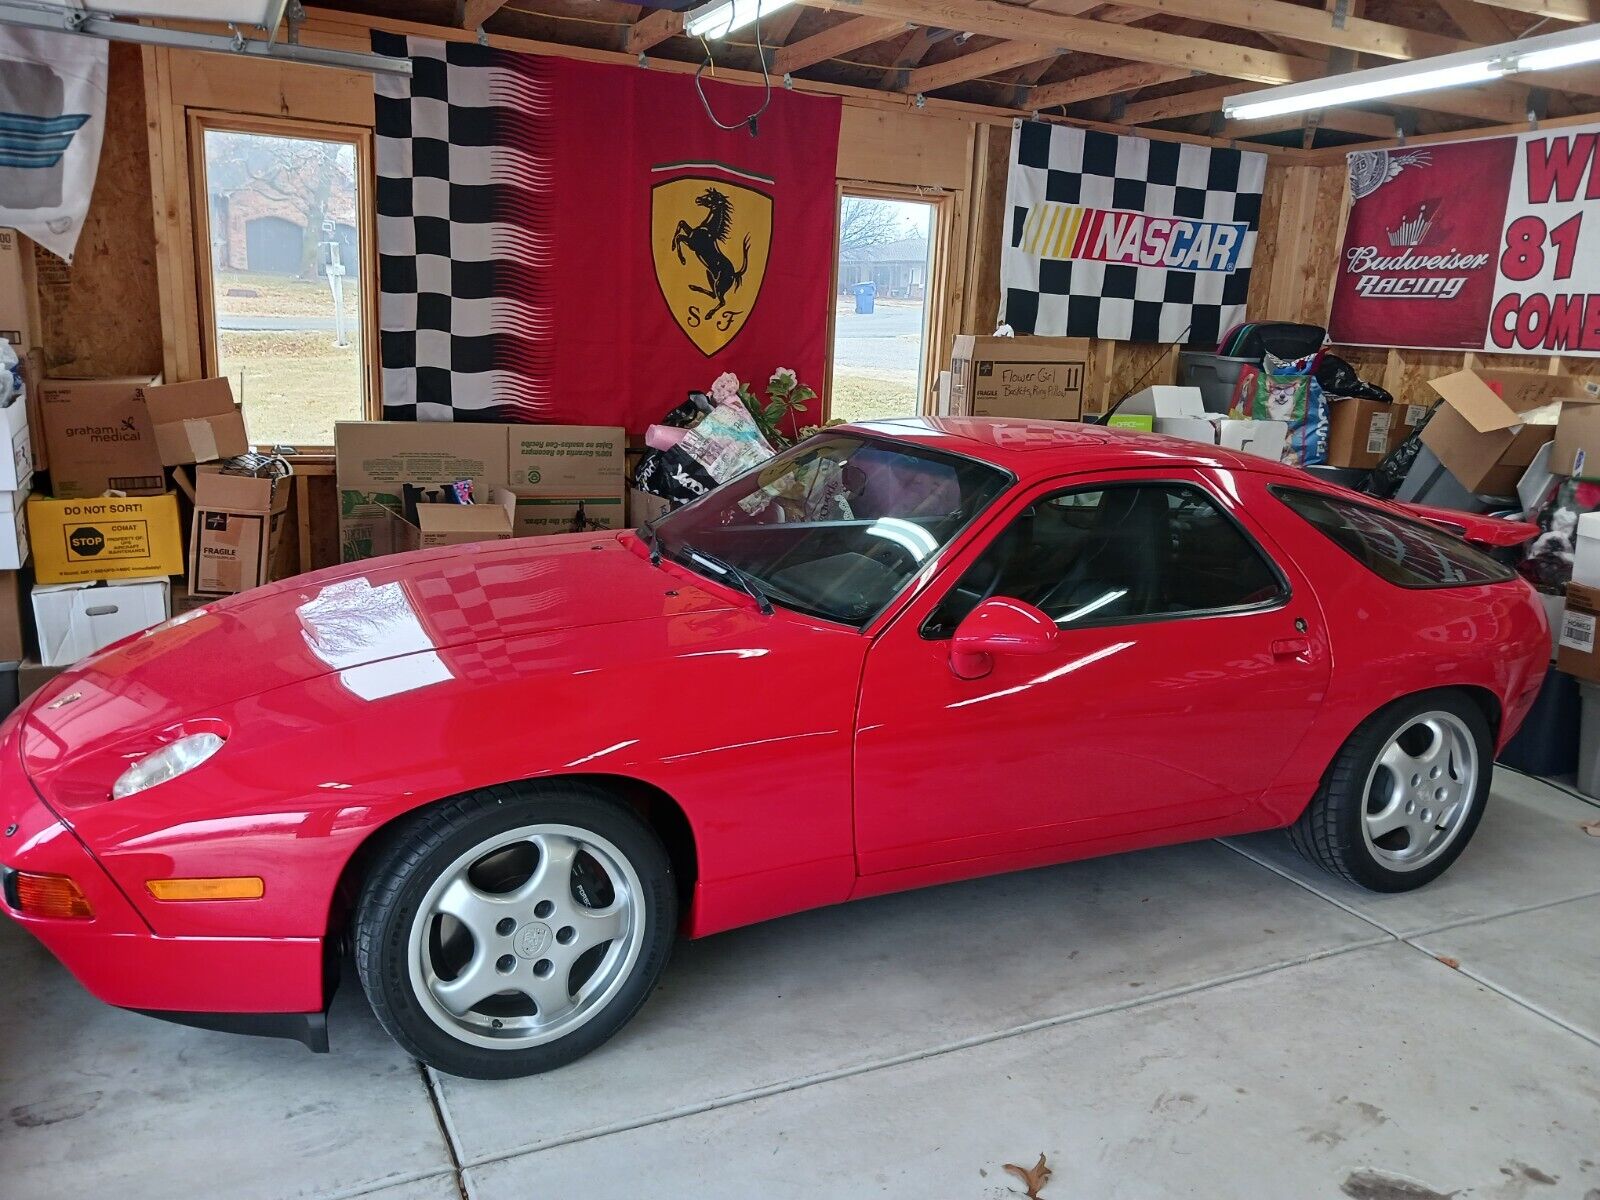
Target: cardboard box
x=1174, y=411
x=1037, y=377
x=569, y=466
x=375, y=457
x=76, y=619
x=33, y=675
x=1577, y=649
x=14, y=543
x=642, y=507
x=19, y=305
x=16, y=445
x=33, y=384
x=100, y=438
x=567, y=460
x=1262, y=438
x=1360, y=432
x=108, y=537
x=235, y=531
x=1578, y=433
x=539, y=516
x=457, y=524
x=1491, y=425
x=13, y=627
x=196, y=422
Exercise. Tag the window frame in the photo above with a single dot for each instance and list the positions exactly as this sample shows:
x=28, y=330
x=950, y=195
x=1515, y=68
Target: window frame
x=1281, y=599
x=1277, y=489
x=202, y=121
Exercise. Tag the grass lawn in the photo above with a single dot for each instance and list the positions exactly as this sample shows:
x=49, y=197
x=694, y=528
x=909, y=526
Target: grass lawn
x=293, y=385
x=281, y=296
x=860, y=393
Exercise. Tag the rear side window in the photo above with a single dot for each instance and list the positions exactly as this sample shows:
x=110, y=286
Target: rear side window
x=1404, y=552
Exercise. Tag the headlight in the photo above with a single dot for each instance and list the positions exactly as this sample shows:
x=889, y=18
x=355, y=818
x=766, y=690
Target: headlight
x=174, y=759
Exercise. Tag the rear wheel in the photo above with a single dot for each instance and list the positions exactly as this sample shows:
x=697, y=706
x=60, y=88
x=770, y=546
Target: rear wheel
x=514, y=930
x=1404, y=795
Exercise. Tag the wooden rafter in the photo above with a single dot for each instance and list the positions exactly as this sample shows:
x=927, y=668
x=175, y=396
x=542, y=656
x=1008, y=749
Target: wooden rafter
x=1003, y=56
x=1480, y=23
x=1347, y=120
x=1132, y=43
x=834, y=41
x=1109, y=82
x=922, y=39
x=1314, y=25
x=475, y=12
x=1183, y=104
x=776, y=28
x=653, y=29
x=1579, y=11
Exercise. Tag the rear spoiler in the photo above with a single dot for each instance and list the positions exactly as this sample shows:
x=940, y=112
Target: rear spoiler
x=1478, y=530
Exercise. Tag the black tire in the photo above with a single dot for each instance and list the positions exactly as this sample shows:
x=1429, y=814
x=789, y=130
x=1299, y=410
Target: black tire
x=1330, y=831
x=426, y=845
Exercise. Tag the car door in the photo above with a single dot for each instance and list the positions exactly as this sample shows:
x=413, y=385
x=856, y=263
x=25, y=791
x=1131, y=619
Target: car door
x=1188, y=665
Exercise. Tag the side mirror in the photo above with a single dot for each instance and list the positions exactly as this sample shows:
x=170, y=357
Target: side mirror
x=998, y=626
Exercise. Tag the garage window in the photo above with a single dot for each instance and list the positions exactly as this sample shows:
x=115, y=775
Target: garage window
x=283, y=252
x=1407, y=553
x=1128, y=552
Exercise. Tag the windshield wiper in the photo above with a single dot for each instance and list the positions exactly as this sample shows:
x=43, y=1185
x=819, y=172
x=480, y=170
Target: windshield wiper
x=653, y=540
x=742, y=578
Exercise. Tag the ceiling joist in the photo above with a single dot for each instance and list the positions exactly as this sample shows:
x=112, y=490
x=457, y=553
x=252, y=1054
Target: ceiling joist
x=1004, y=56
x=833, y=42
x=475, y=12
x=1109, y=82
x=1314, y=25
x=653, y=29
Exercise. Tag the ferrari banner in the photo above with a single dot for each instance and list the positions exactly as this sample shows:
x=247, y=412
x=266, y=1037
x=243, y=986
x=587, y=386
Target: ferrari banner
x=1492, y=244
x=580, y=243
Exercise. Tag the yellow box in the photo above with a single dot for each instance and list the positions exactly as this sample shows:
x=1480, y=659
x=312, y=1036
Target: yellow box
x=107, y=537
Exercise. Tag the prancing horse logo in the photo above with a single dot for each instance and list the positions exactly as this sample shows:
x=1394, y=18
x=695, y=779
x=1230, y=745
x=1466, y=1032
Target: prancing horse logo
x=698, y=224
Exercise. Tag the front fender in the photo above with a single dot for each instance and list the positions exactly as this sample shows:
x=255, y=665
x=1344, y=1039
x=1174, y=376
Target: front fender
x=746, y=721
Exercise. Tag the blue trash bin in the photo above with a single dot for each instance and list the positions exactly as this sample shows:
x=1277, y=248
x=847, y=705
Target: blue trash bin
x=866, y=294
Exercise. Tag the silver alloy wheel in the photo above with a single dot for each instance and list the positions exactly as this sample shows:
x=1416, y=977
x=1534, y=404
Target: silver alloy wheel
x=526, y=936
x=1420, y=791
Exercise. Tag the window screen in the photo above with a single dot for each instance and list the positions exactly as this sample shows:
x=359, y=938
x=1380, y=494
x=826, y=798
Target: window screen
x=1121, y=553
x=1403, y=552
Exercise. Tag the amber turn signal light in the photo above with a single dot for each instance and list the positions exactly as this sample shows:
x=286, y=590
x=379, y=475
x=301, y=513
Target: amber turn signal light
x=238, y=887
x=50, y=896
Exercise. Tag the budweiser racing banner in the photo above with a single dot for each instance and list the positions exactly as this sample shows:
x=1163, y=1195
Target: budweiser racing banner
x=575, y=242
x=1126, y=238
x=1491, y=244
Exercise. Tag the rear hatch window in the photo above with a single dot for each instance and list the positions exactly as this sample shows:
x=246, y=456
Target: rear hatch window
x=1407, y=553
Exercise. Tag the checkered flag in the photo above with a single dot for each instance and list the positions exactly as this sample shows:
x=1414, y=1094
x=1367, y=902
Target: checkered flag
x=1126, y=238
x=464, y=329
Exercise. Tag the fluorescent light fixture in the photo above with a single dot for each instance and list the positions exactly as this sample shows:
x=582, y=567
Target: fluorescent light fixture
x=1569, y=48
x=722, y=17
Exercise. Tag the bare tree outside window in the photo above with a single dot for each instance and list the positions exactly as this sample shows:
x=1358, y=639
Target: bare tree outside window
x=285, y=264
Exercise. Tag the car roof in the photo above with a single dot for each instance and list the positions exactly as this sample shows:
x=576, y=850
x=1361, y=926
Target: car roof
x=1029, y=449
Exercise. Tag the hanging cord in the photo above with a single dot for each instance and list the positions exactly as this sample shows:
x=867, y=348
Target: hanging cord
x=748, y=122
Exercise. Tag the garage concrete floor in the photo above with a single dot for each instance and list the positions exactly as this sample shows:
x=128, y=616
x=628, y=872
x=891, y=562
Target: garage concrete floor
x=1215, y=1020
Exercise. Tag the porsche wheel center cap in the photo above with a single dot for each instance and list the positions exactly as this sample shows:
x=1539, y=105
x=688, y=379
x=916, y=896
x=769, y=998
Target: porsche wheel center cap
x=533, y=939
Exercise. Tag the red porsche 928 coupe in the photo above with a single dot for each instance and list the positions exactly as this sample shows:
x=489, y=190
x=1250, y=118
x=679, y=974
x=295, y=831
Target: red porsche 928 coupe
x=509, y=775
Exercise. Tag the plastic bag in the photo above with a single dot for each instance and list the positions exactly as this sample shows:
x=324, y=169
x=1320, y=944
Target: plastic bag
x=1287, y=390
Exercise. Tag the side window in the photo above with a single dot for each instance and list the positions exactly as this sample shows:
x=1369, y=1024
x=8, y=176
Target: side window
x=1124, y=552
x=1407, y=553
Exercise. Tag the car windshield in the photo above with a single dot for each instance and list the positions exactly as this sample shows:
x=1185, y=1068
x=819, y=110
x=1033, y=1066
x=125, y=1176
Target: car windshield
x=834, y=527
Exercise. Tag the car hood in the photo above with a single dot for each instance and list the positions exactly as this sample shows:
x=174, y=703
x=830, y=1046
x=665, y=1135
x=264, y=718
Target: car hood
x=350, y=619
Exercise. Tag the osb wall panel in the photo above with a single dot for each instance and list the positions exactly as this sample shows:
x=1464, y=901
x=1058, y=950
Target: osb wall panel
x=904, y=147
x=100, y=315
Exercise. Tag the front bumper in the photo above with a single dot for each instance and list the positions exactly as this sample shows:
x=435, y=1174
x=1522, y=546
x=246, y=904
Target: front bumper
x=116, y=955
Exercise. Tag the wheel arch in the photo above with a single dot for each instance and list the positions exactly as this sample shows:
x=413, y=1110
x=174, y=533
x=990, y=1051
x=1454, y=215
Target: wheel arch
x=657, y=807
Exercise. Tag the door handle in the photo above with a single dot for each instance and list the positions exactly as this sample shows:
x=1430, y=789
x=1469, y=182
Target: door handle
x=1290, y=647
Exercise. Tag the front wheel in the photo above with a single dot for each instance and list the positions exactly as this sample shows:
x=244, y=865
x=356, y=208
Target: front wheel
x=1403, y=796
x=513, y=930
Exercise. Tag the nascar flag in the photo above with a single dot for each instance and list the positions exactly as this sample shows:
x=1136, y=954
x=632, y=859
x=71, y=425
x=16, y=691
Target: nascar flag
x=1126, y=238
x=1491, y=244
x=578, y=243
x=52, y=118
